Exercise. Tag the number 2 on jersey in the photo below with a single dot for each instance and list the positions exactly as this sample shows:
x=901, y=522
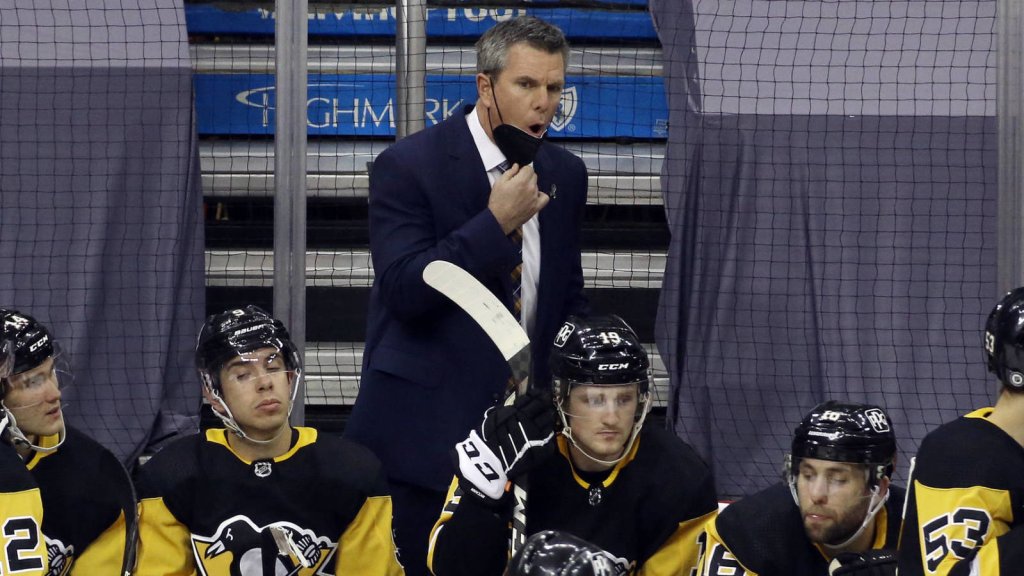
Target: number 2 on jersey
x=20, y=543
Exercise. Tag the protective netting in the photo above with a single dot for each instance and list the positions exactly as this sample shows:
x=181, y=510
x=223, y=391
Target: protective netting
x=830, y=183
x=100, y=229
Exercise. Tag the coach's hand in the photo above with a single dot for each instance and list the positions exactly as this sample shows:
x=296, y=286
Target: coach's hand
x=511, y=440
x=515, y=197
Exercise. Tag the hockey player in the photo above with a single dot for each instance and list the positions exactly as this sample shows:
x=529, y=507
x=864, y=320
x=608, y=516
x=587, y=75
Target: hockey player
x=20, y=503
x=260, y=496
x=837, y=500
x=89, y=505
x=966, y=503
x=641, y=494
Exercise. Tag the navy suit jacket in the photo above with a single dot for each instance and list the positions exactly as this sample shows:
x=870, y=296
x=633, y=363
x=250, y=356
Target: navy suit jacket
x=429, y=372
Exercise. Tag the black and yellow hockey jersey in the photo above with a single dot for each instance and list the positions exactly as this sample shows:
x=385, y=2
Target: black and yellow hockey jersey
x=648, y=511
x=321, y=508
x=966, y=502
x=22, y=548
x=89, y=506
x=763, y=535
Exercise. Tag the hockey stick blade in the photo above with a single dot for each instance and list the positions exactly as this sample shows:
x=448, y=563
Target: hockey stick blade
x=507, y=334
x=487, y=311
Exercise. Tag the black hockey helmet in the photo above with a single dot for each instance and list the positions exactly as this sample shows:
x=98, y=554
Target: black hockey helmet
x=1004, y=339
x=235, y=332
x=556, y=553
x=600, y=350
x=846, y=432
x=32, y=342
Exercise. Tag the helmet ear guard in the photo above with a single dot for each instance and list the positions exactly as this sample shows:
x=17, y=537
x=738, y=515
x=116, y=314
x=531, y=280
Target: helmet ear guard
x=6, y=364
x=6, y=358
x=1004, y=340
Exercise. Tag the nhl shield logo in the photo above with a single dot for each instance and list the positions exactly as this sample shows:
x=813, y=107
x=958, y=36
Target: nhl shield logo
x=566, y=109
x=262, y=468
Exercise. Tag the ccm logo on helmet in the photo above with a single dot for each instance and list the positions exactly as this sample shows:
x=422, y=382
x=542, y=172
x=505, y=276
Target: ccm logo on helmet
x=38, y=344
x=613, y=366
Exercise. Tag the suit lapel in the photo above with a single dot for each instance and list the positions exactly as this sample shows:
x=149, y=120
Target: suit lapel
x=468, y=178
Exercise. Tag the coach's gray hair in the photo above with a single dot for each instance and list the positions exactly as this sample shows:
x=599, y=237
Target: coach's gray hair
x=492, y=48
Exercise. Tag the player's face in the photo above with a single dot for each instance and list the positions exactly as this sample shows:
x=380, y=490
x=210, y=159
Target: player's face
x=834, y=498
x=526, y=93
x=601, y=418
x=33, y=396
x=257, y=387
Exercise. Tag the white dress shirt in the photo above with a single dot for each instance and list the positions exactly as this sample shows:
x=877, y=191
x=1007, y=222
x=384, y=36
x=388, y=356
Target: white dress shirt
x=492, y=158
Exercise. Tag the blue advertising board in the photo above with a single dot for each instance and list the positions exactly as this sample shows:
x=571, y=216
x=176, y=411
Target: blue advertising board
x=441, y=22
x=363, y=105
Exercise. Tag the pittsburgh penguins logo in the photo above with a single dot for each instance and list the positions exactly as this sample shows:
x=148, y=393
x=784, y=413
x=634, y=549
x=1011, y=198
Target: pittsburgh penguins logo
x=564, y=333
x=60, y=556
x=16, y=321
x=241, y=548
x=879, y=423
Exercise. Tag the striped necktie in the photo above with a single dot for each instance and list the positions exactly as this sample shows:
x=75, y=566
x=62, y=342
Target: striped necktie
x=517, y=276
x=517, y=272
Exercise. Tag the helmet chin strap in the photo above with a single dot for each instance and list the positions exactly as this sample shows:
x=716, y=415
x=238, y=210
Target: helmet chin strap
x=877, y=501
x=18, y=437
x=876, y=504
x=231, y=424
x=567, y=432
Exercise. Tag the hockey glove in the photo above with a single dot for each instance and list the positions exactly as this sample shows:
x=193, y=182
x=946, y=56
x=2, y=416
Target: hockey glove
x=870, y=563
x=511, y=440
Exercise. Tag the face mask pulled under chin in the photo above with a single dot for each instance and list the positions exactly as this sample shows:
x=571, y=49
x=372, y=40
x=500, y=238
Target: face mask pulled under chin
x=518, y=146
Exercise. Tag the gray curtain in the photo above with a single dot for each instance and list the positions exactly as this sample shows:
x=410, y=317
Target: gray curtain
x=101, y=233
x=830, y=186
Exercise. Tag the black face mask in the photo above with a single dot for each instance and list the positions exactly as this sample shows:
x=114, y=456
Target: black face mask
x=518, y=146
